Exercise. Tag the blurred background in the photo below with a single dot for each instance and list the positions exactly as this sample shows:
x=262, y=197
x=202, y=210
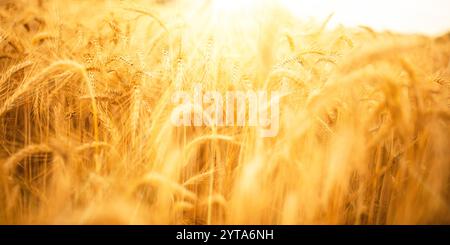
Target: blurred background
x=407, y=16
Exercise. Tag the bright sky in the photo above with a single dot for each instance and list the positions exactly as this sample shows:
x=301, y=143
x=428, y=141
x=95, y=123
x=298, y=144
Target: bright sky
x=407, y=16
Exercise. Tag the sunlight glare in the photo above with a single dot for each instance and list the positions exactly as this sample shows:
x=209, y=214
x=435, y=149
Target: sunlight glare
x=234, y=6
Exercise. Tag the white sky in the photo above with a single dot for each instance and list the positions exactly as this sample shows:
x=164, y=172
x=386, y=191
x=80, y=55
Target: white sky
x=407, y=16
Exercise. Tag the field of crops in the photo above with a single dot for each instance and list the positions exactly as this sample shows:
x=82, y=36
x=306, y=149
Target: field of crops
x=86, y=135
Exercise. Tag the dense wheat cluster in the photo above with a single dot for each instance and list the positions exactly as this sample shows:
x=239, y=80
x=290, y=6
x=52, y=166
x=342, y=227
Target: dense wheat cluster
x=86, y=136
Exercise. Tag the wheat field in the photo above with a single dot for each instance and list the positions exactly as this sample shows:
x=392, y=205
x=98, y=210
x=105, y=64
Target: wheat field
x=86, y=137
